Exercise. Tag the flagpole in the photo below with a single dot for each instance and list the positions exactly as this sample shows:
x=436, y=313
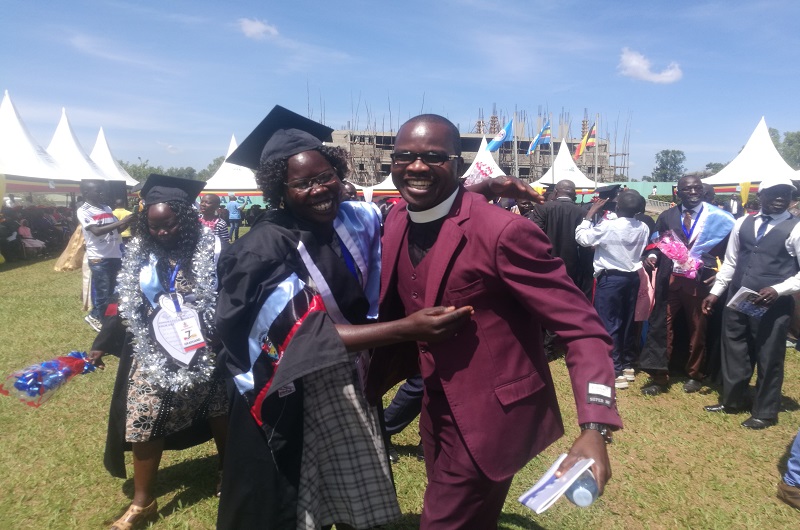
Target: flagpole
x=551, y=142
x=515, y=169
x=596, y=146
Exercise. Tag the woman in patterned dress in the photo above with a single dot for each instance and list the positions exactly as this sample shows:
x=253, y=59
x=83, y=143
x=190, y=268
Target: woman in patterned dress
x=168, y=393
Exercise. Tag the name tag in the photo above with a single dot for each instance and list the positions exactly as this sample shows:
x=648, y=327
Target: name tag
x=178, y=333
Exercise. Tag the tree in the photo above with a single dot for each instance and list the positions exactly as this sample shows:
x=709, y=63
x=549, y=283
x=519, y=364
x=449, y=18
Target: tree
x=776, y=137
x=182, y=172
x=212, y=168
x=715, y=167
x=790, y=149
x=669, y=166
x=141, y=170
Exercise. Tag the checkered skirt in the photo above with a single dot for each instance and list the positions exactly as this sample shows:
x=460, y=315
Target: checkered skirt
x=345, y=476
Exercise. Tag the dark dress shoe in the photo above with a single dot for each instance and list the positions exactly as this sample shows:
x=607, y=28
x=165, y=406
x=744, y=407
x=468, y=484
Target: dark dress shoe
x=757, y=424
x=654, y=389
x=692, y=385
x=789, y=494
x=719, y=407
x=394, y=456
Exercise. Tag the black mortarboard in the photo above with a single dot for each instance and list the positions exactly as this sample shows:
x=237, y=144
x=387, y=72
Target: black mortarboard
x=608, y=192
x=163, y=188
x=281, y=134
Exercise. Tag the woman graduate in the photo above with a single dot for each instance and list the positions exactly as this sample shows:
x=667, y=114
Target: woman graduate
x=296, y=297
x=168, y=393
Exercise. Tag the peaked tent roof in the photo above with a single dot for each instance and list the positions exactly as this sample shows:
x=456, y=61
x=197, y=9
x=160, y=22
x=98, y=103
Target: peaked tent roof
x=383, y=188
x=564, y=168
x=101, y=155
x=483, y=166
x=20, y=154
x=758, y=159
x=66, y=149
x=230, y=177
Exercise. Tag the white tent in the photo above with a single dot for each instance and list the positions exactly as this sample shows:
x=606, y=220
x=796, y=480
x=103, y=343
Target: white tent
x=20, y=155
x=564, y=168
x=483, y=166
x=231, y=178
x=757, y=160
x=67, y=151
x=101, y=155
x=384, y=188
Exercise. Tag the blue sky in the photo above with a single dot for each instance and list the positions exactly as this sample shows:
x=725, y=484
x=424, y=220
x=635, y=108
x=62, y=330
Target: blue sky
x=170, y=81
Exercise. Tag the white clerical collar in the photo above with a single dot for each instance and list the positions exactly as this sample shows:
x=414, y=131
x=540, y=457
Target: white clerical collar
x=435, y=213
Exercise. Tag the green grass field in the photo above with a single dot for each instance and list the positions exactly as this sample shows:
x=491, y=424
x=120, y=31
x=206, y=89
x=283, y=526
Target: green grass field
x=674, y=465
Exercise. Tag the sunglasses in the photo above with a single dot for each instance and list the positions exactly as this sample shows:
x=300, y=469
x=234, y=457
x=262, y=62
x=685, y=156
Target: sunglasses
x=405, y=158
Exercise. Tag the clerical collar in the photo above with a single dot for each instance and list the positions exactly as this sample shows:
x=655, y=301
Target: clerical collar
x=435, y=213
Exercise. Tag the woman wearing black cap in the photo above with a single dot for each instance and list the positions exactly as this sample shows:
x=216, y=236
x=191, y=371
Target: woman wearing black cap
x=297, y=294
x=168, y=393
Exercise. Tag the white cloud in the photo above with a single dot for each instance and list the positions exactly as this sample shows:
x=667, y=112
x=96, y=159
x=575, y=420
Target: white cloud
x=298, y=56
x=169, y=148
x=105, y=49
x=634, y=64
x=257, y=29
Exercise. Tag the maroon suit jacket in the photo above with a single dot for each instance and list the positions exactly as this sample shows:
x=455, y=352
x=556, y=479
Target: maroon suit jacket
x=494, y=371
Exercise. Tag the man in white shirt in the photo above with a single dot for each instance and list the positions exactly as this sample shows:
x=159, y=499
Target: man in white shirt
x=763, y=255
x=100, y=230
x=618, y=245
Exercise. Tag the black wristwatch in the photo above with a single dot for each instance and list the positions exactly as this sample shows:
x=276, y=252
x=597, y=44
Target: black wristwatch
x=602, y=428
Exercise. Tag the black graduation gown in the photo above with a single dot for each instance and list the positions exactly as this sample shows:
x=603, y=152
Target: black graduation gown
x=261, y=472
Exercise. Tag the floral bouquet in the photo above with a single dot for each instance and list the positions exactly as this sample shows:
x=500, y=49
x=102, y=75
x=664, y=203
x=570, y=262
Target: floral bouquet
x=37, y=383
x=684, y=264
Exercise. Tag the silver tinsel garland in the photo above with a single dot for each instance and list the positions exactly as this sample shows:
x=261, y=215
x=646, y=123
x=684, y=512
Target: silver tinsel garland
x=156, y=366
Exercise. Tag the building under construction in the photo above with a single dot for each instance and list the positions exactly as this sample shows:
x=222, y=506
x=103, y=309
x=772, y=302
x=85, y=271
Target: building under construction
x=369, y=150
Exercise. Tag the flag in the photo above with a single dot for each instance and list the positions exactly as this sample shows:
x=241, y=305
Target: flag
x=483, y=167
x=585, y=142
x=502, y=137
x=542, y=138
x=592, y=141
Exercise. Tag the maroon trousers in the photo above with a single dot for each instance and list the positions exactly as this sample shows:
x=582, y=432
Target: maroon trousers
x=458, y=495
x=687, y=294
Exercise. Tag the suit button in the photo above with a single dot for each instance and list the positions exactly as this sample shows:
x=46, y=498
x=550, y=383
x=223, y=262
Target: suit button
x=423, y=349
x=413, y=275
x=414, y=295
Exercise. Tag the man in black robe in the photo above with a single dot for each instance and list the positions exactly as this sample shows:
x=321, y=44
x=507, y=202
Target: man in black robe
x=558, y=219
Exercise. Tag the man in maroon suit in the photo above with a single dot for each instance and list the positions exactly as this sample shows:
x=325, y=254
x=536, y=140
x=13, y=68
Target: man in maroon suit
x=489, y=404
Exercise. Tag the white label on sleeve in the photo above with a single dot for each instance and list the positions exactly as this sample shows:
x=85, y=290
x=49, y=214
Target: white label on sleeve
x=598, y=394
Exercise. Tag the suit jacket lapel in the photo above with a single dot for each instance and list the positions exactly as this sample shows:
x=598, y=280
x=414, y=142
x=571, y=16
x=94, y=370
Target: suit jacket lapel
x=394, y=233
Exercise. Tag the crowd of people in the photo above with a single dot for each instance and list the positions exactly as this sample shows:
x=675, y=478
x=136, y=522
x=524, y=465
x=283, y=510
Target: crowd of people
x=29, y=231
x=282, y=344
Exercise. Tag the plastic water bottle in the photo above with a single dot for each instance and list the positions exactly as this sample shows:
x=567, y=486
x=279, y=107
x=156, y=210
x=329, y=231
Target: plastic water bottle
x=583, y=492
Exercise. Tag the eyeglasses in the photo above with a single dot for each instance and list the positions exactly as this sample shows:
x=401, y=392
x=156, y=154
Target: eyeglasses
x=429, y=159
x=305, y=185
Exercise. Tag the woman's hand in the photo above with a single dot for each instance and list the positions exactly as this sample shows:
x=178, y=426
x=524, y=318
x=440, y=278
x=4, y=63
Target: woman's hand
x=434, y=324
